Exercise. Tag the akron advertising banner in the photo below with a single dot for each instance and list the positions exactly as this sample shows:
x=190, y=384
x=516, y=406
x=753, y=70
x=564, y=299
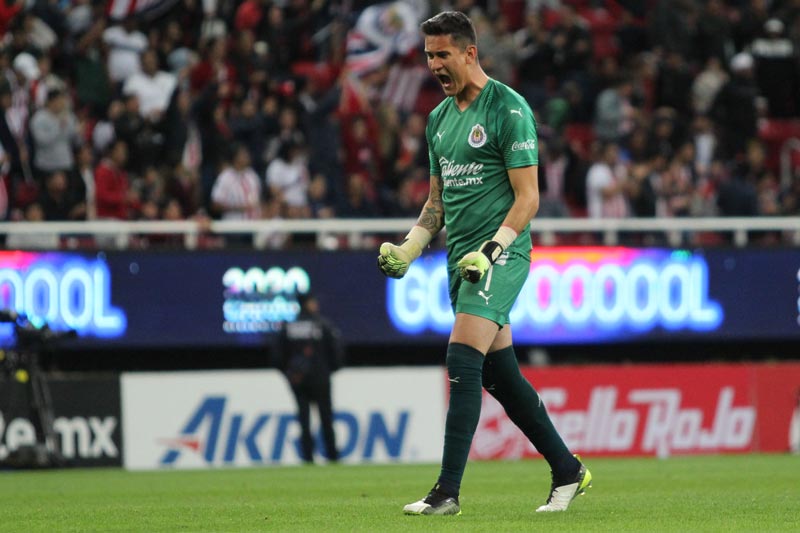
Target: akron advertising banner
x=238, y=418
x=573, y=295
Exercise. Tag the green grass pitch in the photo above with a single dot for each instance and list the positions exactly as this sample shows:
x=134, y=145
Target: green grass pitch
x=751, y=493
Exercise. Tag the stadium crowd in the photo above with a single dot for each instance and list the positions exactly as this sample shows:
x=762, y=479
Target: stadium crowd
x=259, y=109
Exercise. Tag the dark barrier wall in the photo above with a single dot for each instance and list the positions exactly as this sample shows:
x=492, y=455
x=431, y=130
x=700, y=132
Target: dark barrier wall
x=573, y=296
x=84, y=414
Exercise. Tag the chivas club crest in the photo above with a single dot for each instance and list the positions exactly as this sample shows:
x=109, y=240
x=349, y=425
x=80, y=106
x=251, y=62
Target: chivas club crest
x=477, y=137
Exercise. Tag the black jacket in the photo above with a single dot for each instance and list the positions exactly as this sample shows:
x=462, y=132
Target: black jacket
x=309, y=349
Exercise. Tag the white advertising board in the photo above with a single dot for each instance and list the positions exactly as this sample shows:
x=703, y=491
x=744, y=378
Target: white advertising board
x=247, y=418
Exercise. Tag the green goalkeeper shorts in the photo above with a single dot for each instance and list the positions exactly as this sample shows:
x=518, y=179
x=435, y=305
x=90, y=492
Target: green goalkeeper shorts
x=494, y=295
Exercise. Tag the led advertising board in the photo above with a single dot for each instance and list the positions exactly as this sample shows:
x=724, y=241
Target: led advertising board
x=572, y=295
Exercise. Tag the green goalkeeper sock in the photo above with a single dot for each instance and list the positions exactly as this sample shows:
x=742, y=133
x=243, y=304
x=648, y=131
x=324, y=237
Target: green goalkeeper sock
x=464, y=365
x=503, y=380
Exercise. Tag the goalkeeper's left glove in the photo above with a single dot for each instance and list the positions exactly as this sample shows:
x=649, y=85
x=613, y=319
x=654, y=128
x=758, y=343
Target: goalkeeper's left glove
x=473, y=266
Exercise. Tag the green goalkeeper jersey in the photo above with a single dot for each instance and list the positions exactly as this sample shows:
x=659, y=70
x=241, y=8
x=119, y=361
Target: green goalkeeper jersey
x=471, y=151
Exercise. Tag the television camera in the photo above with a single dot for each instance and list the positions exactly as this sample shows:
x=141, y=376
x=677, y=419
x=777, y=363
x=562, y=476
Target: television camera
x=22, y=362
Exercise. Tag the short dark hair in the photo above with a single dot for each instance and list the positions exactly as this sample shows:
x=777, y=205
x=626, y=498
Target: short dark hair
x=54, y=93
x=453, y=23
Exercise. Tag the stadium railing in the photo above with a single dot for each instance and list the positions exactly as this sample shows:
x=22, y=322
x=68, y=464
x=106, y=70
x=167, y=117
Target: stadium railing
x=359, y=233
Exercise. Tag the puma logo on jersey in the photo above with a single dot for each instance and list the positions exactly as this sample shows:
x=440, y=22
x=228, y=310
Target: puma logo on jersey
x=517, y=111
x=439, y=134
x=455, y=379
x=485, y=296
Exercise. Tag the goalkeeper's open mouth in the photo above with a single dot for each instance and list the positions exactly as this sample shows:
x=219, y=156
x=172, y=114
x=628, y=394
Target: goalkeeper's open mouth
x=445, y=80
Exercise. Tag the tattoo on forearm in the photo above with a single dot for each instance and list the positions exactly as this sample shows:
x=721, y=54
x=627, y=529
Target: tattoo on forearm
x=432, y=216
x=430, y=219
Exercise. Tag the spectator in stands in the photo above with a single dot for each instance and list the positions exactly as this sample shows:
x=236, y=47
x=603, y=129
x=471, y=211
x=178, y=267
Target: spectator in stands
x=237, y=191
x=13, y=149
x=174, y=50
x=363, y=154
x=498, y=49
x=212, y=125
x=32, y=34
x=17, y=39
x=4, y=184
x=552, y=201
x=246, y=60
x=33, y=212
x=125, y=44
x=319, y=198
x=736, y=197
x=84, y=175
x=142, y=137
x=289, y=132
x=707, y=84
x=8, y=10
x=181, y=137
x=214, y=68
x=247, y=126
x=152, y=87
x=614, y=112
x=777, y=71
x=642, y=196
x=149, y=188
x=705, y=144
x=287, y=177
x=674, y=84
x=324, y=135
x=606, y=187
x=631, y=36
x=769, y=193
x=675, y=191
x=749, y=18
x=24, y=79
x=572, y=46
x=358, y=204
x=55, y=132
x=249, y=15
x=790, y=197
x=183, y=184
x=58, y=201
x=113, y=196
x=91, y=80
x=754, y=167
x=735, y=107
x=665, y=134
x=672, y=26
x=284, y=37
x=535, y=61
x=713, y=33
x=412, y=193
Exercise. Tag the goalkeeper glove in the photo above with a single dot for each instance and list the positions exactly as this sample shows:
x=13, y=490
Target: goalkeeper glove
x=474, y=265
x=394, y=260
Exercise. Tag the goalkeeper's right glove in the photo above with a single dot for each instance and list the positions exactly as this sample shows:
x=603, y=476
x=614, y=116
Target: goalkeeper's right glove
x=394, y=260
x=473, y=266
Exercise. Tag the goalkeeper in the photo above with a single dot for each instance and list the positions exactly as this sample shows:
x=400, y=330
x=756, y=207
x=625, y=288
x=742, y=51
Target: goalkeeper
x=483, y=188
